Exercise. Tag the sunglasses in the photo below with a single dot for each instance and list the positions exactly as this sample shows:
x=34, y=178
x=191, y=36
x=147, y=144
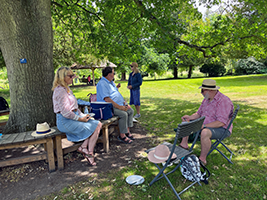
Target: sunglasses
x=131, y=66
x=63, y=68
x=71, y=76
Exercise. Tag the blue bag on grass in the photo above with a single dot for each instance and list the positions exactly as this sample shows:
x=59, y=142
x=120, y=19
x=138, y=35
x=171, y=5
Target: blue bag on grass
x=102, y=110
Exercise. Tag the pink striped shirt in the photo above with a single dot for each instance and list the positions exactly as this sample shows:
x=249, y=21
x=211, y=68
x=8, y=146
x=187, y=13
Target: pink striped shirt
x=219, y=109
x=65, y=103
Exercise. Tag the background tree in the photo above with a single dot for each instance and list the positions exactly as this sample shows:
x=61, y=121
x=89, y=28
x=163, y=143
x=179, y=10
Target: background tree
x=116, y=29
x=213, y=69
x=249, y=66
x=154, y=63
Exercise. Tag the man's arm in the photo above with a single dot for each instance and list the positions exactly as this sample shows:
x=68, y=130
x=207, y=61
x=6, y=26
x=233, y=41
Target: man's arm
x=215, y=124
x=124, y=108
x=191, y=117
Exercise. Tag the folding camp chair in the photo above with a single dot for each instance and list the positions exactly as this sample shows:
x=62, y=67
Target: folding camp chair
x=183, y=130
x=219, y=141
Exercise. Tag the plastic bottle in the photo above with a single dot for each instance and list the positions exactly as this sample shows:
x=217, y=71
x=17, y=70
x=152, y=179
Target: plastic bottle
x=86, y=110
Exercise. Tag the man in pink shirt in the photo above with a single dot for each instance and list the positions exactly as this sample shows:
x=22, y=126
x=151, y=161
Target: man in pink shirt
x=217, y=109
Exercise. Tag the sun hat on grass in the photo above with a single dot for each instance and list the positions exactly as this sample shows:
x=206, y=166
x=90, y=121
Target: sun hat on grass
x=160, y=154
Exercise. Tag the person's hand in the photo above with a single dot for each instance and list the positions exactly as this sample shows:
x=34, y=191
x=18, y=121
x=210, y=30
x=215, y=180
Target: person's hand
x=85, y=118
x=185, y=118
x=124, y=108
x=119, y=85
x=129, y=87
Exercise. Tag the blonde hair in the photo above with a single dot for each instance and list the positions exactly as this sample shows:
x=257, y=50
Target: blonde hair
x=135, y=67
x=59, y=78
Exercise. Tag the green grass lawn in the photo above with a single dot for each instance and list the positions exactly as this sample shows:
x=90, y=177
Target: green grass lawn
x=163, y=103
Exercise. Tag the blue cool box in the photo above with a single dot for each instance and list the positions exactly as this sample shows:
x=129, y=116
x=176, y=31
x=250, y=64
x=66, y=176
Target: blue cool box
x=102, y=110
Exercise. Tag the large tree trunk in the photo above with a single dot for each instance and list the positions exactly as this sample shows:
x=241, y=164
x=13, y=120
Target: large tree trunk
x=175, y=72
x=123, y=76
x=26, y=32
x=190, y=70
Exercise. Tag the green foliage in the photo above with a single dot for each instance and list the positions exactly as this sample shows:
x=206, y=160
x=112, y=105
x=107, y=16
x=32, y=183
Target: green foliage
x=2, y=61
x=213, y=70
x=116, y=30
x=250, y=66
x=3, y=78
x=153, y=62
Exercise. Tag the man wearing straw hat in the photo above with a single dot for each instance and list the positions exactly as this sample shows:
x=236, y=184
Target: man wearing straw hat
x=217, y=109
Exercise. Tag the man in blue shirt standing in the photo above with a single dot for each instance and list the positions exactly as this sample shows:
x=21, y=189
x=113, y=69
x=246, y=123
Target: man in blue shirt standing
x=108, y=92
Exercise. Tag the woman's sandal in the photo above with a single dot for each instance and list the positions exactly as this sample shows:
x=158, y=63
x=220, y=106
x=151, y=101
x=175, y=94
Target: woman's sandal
x=81, y=150
x=124, y=140
x=88, y=156
x=128, y=136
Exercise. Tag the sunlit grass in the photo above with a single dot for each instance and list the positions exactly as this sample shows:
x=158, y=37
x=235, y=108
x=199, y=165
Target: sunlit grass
x=163, y=103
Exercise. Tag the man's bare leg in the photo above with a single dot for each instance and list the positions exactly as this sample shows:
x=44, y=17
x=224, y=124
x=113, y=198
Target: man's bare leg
x=184, y=142
x=205, y=144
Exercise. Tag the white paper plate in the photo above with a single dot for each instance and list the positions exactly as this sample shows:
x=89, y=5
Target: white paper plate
x=100, y=102
x=135, y=180
x=92, y=114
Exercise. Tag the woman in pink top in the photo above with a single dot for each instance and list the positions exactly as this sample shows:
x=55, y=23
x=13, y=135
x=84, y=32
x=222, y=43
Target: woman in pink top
x=70, y=120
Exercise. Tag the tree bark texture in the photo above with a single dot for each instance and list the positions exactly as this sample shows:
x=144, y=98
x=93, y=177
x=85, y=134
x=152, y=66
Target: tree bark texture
x=26, y=33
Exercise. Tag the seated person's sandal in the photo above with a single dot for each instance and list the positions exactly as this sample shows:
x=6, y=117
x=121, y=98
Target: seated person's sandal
x=131, y=137
x=124, y=140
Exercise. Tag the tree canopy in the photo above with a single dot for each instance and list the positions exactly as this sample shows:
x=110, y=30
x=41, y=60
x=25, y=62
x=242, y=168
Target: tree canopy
x=115, y=29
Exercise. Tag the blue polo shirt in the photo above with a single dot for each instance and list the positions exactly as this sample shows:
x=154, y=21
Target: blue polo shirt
x=106, y=88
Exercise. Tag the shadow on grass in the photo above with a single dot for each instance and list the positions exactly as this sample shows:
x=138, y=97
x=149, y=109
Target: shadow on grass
x=245, y=179
x=248, y=142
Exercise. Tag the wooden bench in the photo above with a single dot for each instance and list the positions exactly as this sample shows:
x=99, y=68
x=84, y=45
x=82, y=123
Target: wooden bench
x=51, y=142
x=16, y=140
x=103, y=139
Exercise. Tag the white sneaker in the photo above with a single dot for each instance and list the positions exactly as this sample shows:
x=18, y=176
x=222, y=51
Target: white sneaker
x=137, y=116
x=134, y=120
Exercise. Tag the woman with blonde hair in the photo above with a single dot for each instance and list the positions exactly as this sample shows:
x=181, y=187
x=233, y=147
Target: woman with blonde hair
x=70, y=120
x=134, y=83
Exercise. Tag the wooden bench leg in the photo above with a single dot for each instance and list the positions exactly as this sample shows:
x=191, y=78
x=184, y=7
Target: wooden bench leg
x=59, y=150
x=50, y=154
x=105, y=138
